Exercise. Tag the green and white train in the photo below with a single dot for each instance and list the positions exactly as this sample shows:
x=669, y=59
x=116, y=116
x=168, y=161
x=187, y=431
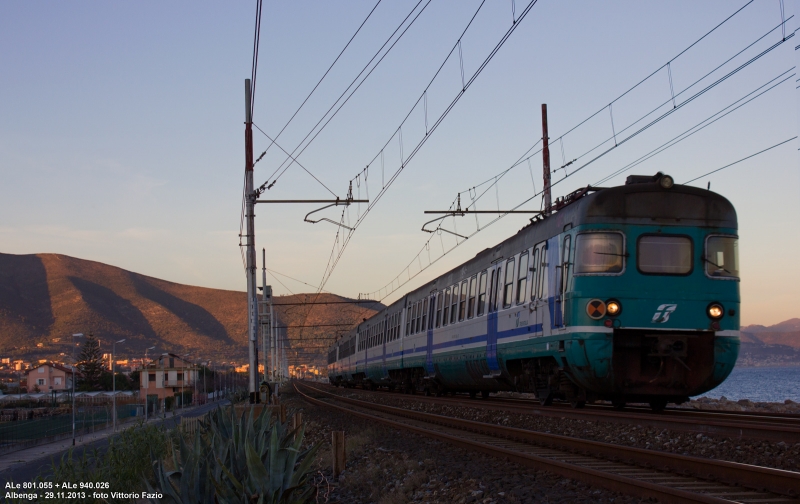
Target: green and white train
x=626, y=294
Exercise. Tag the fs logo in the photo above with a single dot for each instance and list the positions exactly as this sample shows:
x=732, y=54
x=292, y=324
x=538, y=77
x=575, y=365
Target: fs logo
x=663, y=313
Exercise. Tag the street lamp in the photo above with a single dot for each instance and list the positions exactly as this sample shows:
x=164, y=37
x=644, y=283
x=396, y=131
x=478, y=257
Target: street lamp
x=77, y=335
x=114, y=382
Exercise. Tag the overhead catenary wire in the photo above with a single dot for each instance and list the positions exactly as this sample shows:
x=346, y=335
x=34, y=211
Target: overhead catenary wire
x=378, y=52
x=701, y=125
x=742, y=159
x=648, y=114
x=433, y=128
x=272, y=141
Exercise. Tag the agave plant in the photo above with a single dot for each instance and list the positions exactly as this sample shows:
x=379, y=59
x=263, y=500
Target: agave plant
x=238, y=460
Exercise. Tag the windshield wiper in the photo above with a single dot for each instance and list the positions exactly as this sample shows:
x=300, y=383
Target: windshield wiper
x=612, y=254
x=717, y=265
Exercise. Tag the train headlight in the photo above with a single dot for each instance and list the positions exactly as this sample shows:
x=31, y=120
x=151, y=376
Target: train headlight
x=715, y=311
x=666, y=182
x=596, y=309
x=613, y=307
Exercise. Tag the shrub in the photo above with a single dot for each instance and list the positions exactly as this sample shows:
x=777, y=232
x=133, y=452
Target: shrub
x=230, y=460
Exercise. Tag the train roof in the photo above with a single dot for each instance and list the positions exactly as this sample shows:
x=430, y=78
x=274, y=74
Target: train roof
x=642, y=200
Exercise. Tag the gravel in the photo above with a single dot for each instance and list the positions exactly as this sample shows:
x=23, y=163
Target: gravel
x=387, y=466
x=779, y=455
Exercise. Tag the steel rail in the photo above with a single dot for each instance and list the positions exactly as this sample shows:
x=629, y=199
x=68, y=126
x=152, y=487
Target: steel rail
x=772, y=429
x=516, y=445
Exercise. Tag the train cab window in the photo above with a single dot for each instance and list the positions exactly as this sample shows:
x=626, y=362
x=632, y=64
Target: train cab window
x=722, y=257
x=473, y=288
x=454, y=305
x=408, y=321
x=599, y=253
x=425, y=315
x=446, y=306
x=664, y=255
x=508, y=290
x=438, y=309
x=522, y=277
x=482, y=294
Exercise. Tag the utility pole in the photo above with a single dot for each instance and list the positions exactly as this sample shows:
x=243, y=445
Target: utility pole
x=265, y=313
x=252, y=306
x=546, y=161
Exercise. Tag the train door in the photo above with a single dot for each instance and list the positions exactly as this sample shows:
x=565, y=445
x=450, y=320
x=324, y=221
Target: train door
x=554, y=283
x=495, y=285
x=538, y=300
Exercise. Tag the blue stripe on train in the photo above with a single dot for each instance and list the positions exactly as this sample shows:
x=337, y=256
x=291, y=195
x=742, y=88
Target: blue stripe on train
x=463, y=341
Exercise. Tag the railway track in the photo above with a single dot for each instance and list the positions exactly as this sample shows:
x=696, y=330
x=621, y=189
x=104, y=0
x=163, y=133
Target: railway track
x=737, y=425
x=645, y=473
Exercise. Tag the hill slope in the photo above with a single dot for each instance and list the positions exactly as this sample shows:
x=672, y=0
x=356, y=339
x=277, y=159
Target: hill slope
x=44, y=298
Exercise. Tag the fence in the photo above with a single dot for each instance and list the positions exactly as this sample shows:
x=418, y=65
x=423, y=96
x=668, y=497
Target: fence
x=191, y=424
x=22, y=428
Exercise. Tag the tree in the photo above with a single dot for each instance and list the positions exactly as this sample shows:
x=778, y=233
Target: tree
x=90, y=365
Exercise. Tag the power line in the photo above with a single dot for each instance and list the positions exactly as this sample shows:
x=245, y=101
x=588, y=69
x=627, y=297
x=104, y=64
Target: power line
x=263, y=186
x=466, y=84
x=740, y=160
x=351, y=85
x=523, y=158
x=321, y=79
x=700, y=126
x=706, y=122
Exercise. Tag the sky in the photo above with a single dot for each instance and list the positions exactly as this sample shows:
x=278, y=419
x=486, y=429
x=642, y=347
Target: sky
x=122, y=135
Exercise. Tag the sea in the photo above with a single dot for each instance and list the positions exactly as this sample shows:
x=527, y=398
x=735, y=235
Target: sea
x=760, y=384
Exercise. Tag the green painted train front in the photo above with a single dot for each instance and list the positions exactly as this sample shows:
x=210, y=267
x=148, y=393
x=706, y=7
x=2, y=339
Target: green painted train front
x=669, y=294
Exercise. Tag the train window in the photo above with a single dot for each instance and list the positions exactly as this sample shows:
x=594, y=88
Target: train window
x=473, y=288
x=482, y=294
x=542, y=270
x=415, y=319
x=599, y=253
x=454, y=305
x=508, y=290
x=419, y=316
x=534, y=271
x=408, y=321
x=462, y=301
x=425, y=315
x=565, y=264
x=522, y=277
x=664, y=255
x=438, y=309
x=722, y=256
x=446, y=307
x=491, y=289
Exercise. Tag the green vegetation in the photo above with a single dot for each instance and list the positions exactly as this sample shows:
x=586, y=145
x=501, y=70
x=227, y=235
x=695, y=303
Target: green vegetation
x=237, y=460
x=90, y=365
x=226, y=460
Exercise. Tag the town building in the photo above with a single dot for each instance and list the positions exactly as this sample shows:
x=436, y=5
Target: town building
x=50, y=376
x=166, y=376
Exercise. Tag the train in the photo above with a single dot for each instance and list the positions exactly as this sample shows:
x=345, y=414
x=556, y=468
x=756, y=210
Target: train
x=626, y=294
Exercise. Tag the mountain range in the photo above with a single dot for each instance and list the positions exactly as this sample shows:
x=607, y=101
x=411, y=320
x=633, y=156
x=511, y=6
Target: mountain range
x=45, y=298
